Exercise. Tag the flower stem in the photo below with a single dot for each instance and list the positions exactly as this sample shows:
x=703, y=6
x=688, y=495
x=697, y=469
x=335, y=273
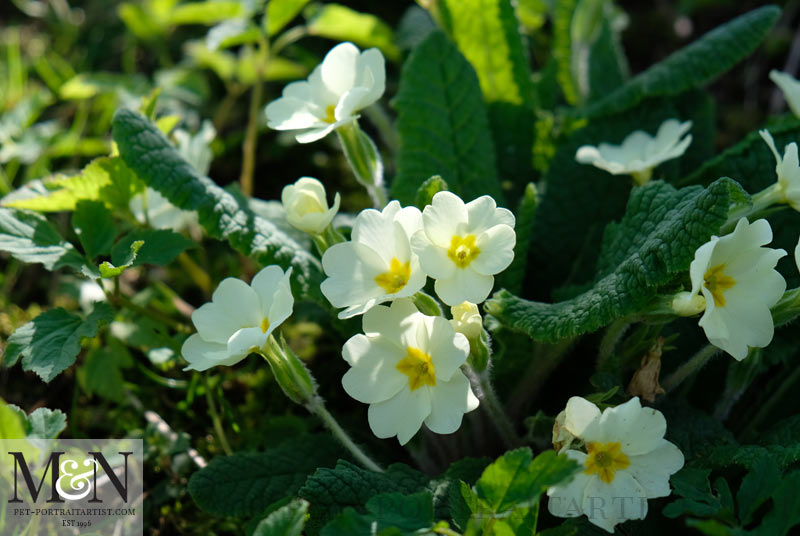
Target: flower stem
x=610, y=339
x=251, y=134
x=365, y=161
x=694, y=364
x=768, y=406
x=215, y=418
x=317, y=406
x=491, y=404
x=760, y=202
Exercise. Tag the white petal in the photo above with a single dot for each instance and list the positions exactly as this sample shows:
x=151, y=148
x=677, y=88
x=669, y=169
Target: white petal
x=448, y=349
x=265, y=283
x=352, y=102
x=351, y=269
x=790, y=88
x=371, y=74
x=701, y=264
x=607, y=505
x=401, y=415
x=282, y=303
x=484, y=214
x=432, y=258
x=797, y=255
x=287, y=113
x=581, y=418
x=465, y=285
x=234, y=305
x=411, y=220
x=567, y=500
x=652, y=470
x=339, y=68
x=203, y=355
x=450, y=400
x=497, y=250
x=314, y=134
x=376, y=230
x=444, y=217
x=246, y=340
x=399, y=323
x=373, y=376
x=638, y=429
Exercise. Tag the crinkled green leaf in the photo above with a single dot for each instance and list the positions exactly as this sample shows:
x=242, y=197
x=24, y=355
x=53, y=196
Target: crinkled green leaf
x=342, y=23
x=160, y=247
x=517, y=479
x=12, y=424
x=29, y=237
x=428, y=189
x=50, y=343
x=287, y=520
x=330, y=491
x=442, y=125
x=42, y=423
x=693, y=494
x=246, y=483
x=756, y=487
x=785, y=513
x=694, y=65
x=95, y=227
x=108, y=270
x=487, y=34
x=656, y=239
x=102, y=371
x=158, y=163
x=281, y=12
x=405, y=514
x=105, y=179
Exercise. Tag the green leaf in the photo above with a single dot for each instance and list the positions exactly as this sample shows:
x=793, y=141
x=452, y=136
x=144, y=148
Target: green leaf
x=281, y=12
x=330, y=491
x=696, y=499
x=288, y=520
x=206, y=13
x=42, y=423
x=105, y=179
x=223, y=215
x=513, y=277
x=108, y=270
x=516, y=479
x=102, y=371
x=12, y=424
x=88, y=85
x=160, y=247
x=29, y=237
x=785, y=512
x=694, y=65
x=406, y=514
x=50, y=343
x=487, y=33
x=341, y=23
x=656, y=239
x=428, y=189
x=442, y=125
x=246, y=483
x=757, y=486
x=95, y=228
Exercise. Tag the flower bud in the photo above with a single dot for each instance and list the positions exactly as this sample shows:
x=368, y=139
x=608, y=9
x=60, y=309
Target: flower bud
x=467, y=320
x=307, y=207
x=688, y=304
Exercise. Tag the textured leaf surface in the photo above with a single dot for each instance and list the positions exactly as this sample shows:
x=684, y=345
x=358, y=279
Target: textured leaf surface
x=487, y=34
x=442, y=125
x=160, y=247
x=246, y=483
x=158, y=164
x=427, y=190
x=95, y=227
x=29, y=237
x=50, y=343
x=42, y=423
x=398, y=514
x=332, y=490
x=656, y=239
x=287, y=520
x=694, y=65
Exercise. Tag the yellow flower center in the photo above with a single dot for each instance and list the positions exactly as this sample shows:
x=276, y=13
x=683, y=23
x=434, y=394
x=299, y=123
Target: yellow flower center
x=265, y=325
x=463, y=250
x=418, y=366
x=604, y=460
x=717, y=282
x=330, y=114
x=396, y=278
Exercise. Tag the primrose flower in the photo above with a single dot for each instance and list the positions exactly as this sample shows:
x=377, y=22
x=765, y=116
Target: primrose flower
x=462, y=246
x=239, y=319
x=377, y=265
x=346, y=82
x=406, y=367
x=737, y=277
x=307, y=207
x=788, y=171
x=467, y=320
x=627, y=461
x=790, y=87
x=639, y=152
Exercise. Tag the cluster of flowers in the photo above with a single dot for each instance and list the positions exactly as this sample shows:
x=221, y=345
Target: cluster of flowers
x=411, y=368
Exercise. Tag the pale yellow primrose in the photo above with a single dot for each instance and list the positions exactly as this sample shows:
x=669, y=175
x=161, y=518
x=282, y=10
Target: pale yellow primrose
x=736, y=275
x=627, y=461
x=406, y=366
x=346, y=82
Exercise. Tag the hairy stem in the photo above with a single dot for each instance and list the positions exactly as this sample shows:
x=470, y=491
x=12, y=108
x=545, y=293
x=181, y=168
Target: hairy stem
x=215, y=418
x=317, y=406
x=482, y=386
x=251, y=134
x=694, y=364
